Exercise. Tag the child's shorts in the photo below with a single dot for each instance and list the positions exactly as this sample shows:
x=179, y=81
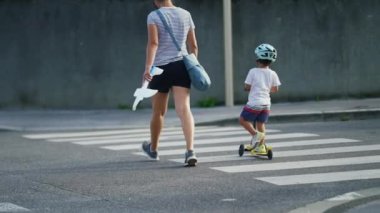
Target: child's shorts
x=175, y=74
x=256, y=113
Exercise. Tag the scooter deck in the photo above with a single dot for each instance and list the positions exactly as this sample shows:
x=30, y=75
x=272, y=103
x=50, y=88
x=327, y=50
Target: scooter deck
x=269, y=152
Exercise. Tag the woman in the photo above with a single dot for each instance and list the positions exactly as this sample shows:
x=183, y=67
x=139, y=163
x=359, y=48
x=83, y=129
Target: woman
x=162, y=52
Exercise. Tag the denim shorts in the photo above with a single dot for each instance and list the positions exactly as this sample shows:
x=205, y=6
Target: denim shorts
x=175, y=74
x=256, y=113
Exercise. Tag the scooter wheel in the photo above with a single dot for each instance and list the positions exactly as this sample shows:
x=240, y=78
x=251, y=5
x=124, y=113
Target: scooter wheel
x=270, y=154
x=241, y=150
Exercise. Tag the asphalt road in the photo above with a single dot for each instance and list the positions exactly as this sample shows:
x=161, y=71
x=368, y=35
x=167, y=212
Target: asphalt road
x=43, y=172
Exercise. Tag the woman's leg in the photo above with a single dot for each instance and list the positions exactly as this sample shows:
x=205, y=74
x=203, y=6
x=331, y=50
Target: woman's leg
x=159, y=107
x=181, y=97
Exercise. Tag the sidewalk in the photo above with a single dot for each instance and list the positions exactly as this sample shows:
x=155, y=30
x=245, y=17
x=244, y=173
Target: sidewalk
x=54, y=120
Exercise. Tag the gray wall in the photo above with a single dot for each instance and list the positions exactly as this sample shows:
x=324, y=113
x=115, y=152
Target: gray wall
x=327, y=48
x=91, y=53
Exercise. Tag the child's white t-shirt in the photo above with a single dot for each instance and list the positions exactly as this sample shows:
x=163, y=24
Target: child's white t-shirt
x=261, y=81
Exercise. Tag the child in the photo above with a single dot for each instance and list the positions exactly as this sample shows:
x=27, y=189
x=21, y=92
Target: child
x=260, y=82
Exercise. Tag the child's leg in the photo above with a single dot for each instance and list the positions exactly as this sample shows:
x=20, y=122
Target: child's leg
x=247, y=119
x=247, y=126
x=261, y=128
x=257, y=135
x=261, y=120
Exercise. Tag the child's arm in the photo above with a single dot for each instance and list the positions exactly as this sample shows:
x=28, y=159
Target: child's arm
x=247, y=87
x=274, y=89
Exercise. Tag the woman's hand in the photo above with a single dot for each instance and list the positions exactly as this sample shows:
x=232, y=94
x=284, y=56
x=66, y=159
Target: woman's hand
x=147, y=76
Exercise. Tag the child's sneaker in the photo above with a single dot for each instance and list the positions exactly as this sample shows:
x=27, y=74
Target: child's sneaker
x=260, y=149
x=146, y=149
x=248, y=147
x=190, y=158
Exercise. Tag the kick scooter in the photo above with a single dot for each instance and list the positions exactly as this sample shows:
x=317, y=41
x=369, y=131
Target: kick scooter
x=245, y=148
x=248, y=148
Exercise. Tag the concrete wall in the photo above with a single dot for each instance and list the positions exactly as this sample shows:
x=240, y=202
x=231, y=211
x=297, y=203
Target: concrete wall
x=327, y=48
x=91, y=53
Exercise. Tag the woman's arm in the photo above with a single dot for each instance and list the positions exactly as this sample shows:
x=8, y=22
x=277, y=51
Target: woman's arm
x=151, y=49
x=191, y=42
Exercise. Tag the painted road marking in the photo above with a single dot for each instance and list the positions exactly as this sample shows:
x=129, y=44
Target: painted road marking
x=140, y=138
x=134, y=133
x=322, y=177
x=283, y=154
x=146, y=134
x=299, y=164
x=10, y=207
x=101, y=133
x=235, y=139
x=232, y=137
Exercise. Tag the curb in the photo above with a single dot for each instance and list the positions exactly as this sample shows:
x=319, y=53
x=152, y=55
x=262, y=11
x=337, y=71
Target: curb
x=344, y=115
x=313, y=116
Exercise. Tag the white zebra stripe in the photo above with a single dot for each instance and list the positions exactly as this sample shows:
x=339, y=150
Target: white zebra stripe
x=322, y=177
x=87, y=134
x=129, y=134
x=10, y=207
x=282, y=154
x=101, y=133
x=299, y=164
x=174, y=143
x=164, y=136
x=209, y=141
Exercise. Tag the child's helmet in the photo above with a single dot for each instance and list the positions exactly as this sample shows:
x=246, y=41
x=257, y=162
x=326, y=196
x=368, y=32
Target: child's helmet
x=266, y=52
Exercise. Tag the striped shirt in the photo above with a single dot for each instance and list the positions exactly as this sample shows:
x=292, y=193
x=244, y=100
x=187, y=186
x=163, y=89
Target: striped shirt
x=180, y=21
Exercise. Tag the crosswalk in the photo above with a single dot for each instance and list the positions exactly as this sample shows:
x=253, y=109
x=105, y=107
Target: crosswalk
x=216, y=147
